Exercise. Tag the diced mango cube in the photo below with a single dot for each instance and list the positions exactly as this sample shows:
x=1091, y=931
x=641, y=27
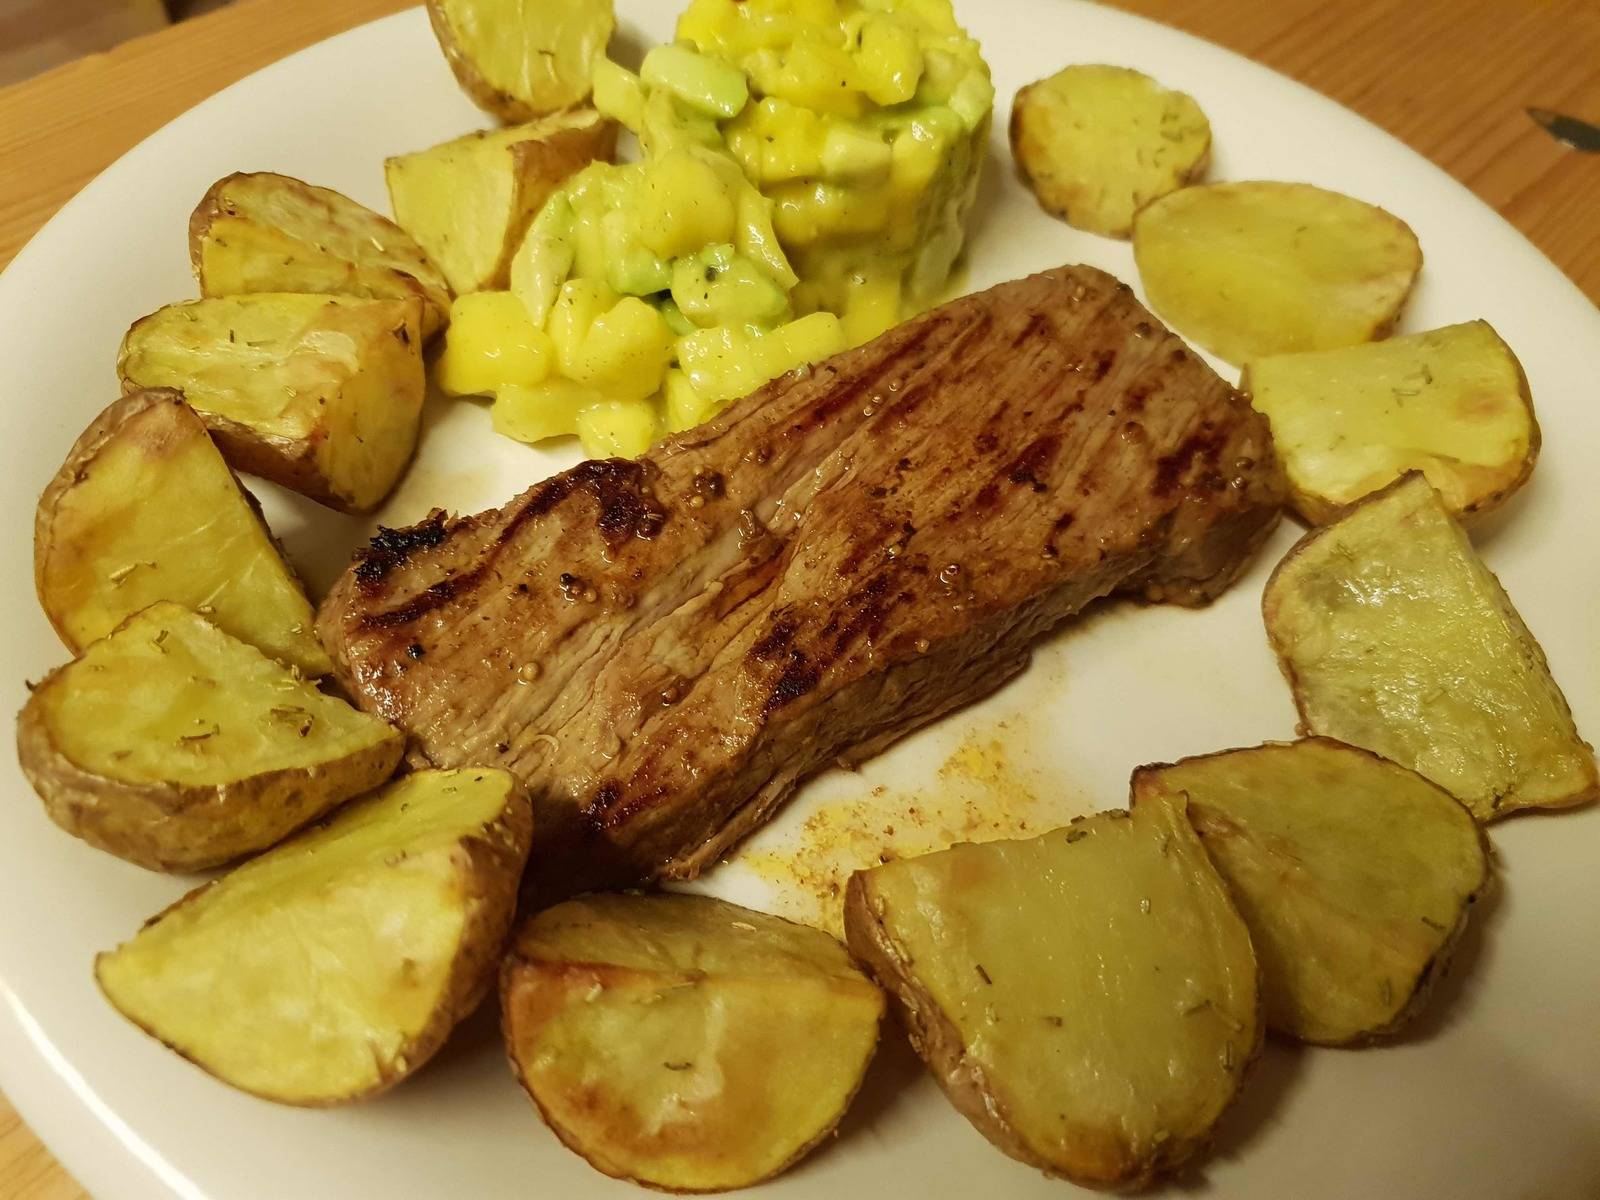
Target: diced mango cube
x=682, y=205
x=544, y=410
x=577, y=305
x=491, y=341
x=618, y=428
x=685, y=407
x=625, y=351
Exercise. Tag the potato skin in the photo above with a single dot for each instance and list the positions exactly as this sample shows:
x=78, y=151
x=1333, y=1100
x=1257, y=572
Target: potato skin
x=181, y=828
x=488, y=867
x=933, y=1035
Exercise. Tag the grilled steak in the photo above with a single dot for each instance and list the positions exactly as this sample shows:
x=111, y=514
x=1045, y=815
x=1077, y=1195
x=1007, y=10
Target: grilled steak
x=664, y=648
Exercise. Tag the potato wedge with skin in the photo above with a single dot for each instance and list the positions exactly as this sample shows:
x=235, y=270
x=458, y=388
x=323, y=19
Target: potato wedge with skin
x=683, y=1042
x=329, y=969
x=1452, y=403
x=1095, y=144
x=1395, y=637
x=145, y=509
x=1087, y=998
x=322, y=394
x=468, y=202
x=261, y=232
x=1354, y=875
x=518, y=61
x=1250, y=269
x=174, y=746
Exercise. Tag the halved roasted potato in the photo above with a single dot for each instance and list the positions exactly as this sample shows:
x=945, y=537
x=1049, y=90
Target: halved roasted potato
x=1354, y=875
x=683, y=1042
x=1087, y=999
x=174, y=746
x=1452, y=403
x=469, y=201
x=1096, y=144
x=1395, y=636
x=260, y=232
x=145, y=509
x=1250, y=269
x=519, y=61
x=334, y=966
x=322, y=394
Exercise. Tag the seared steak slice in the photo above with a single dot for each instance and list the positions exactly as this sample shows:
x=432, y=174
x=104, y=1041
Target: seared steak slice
x=663, y=648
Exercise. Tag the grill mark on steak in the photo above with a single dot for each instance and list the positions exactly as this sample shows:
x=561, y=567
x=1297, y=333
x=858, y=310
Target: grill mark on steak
x=1046, y=439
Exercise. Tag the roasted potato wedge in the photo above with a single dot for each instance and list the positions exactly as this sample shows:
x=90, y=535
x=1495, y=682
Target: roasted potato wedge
x=1394, y=636
x=322, y=394
x=1087, y=999
x=469, y=201
x=518, y=61
x=1354, y=875
x=683, y=1042
x=145, y=509
x=177, y=747
x=1251, y=269
x=334, y=966
x=1452, y=403
x=1096, y=144
x=261, y=232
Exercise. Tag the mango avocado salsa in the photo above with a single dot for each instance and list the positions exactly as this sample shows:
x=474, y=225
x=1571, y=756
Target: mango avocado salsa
x=806, y=171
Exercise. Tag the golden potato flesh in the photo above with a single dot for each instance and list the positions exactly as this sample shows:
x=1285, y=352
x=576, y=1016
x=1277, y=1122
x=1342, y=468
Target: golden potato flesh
x=518, y=61
x=322, y=394
x=468, y=202
x=1087, y=998
x=1250, y=269
x=145, y=509
x=1096, y=144
x=175, y=746
x=270, y=233
x=1396, y=637
x=334, y=966
x=683, y=1042
x=1452, y=403
x=1354, y=875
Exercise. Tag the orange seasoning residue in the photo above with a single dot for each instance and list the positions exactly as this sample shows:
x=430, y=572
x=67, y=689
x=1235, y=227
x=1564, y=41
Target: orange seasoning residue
x=978, y=795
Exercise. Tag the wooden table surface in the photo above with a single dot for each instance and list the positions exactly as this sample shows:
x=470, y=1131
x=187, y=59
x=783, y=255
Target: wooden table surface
x=1450, y=77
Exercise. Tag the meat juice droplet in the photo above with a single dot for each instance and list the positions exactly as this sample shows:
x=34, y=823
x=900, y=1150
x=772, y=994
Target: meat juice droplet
x=528, y=672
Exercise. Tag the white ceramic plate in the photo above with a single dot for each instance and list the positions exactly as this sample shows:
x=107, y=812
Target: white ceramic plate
x=1496, y=1095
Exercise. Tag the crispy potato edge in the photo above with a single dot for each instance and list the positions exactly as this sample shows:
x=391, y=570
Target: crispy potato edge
x=516, y=959
x=937, y=1042
x=1142, y=784
x=490, y=99
x=1314, y=511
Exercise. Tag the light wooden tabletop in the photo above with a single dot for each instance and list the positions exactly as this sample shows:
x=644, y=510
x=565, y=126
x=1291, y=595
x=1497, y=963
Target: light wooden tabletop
x=1451, y=78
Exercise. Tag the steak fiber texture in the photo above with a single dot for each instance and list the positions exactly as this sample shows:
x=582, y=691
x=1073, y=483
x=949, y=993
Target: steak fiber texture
x=663, y=648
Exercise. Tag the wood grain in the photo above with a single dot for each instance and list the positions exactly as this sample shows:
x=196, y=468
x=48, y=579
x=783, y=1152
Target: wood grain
x=1451, y=78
